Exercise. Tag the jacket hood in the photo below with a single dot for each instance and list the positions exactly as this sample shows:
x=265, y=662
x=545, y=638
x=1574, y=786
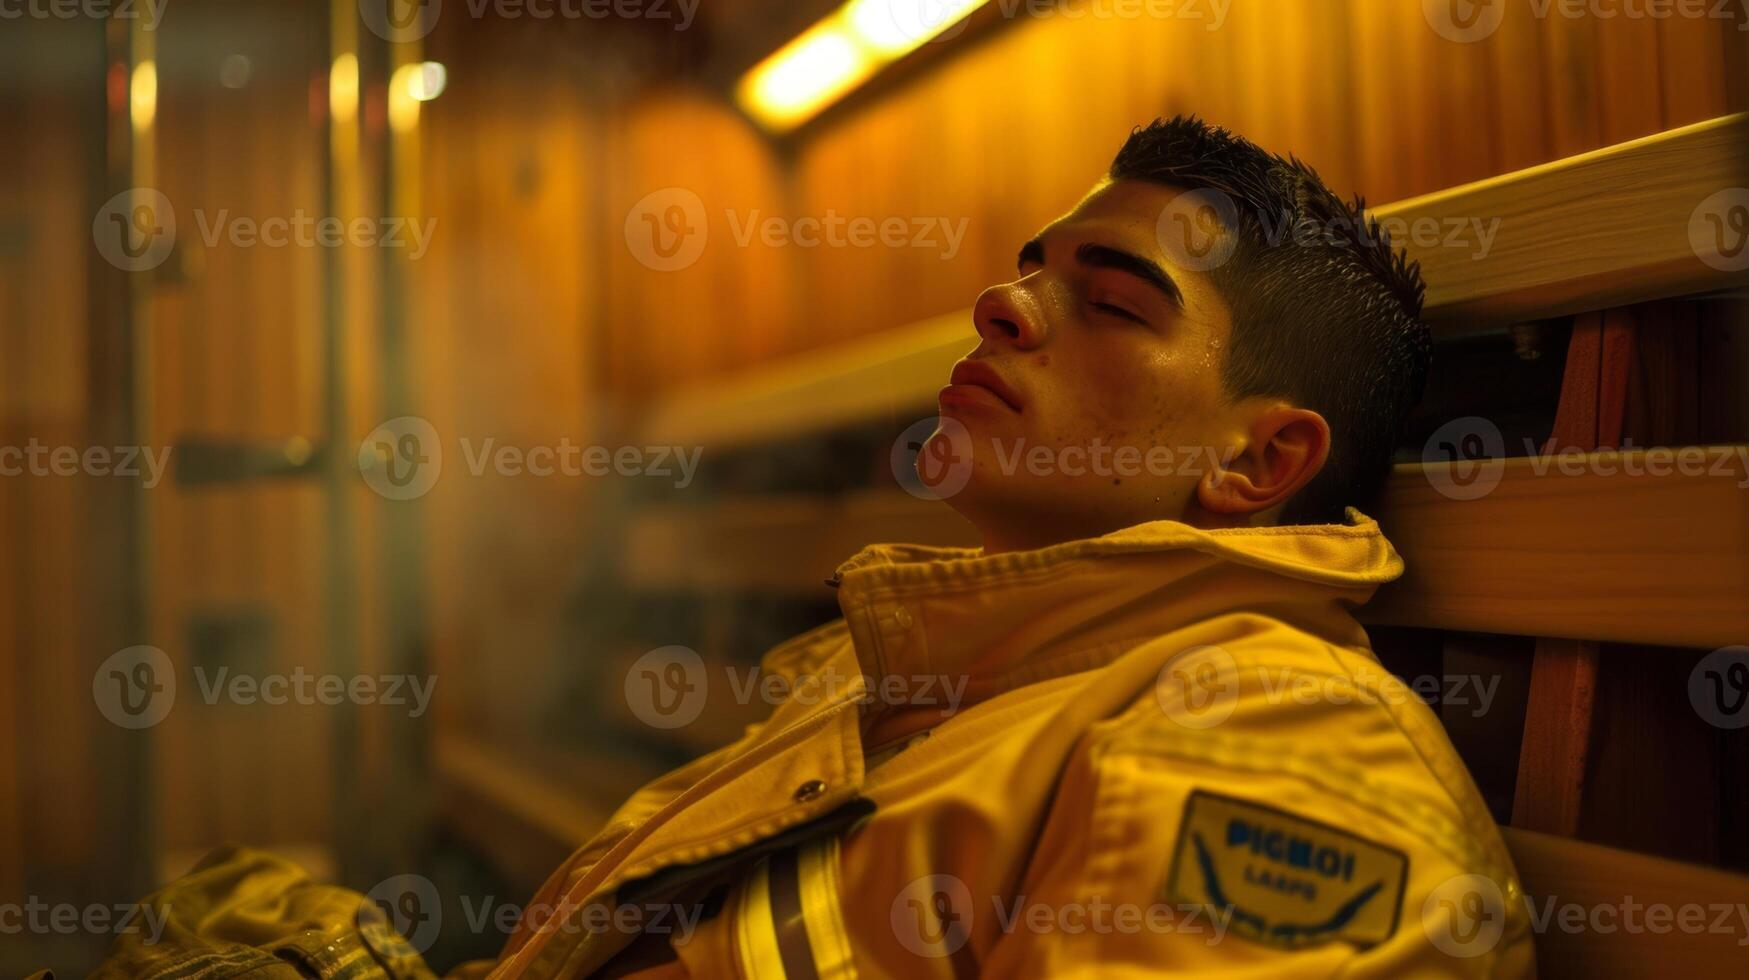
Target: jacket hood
x=993, y=622
x=1352, y=554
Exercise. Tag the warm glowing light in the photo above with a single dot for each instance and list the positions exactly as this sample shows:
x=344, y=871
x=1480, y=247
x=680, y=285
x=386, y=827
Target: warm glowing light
x=343, y=88
x=411, y=85
x=840, y=52
x=425, y=81
x=143, y=95
x=895, y=28
x=806, y=75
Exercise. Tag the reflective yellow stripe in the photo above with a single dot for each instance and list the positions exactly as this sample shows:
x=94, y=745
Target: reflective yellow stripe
x=818, y=866
x=767, y=927
x=755, y=932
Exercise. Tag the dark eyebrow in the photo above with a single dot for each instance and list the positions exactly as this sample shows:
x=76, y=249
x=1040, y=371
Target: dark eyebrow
x=1105, y=257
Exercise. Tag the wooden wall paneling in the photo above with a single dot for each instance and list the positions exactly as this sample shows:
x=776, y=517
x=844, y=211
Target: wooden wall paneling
x=506, y=343
x=1656, y=764
x=15, y=305
x=1723, y=342
x=55, y=611
x=1657, y=775
x=1198, y=74
x=1331, y=84
x=1628, y=59
x=1455, y=108
x=1518, y=99
x=13, y=842
x=1737, y=63
x=1379, y=98
x=1258, y=72
x=1691, y=69
x=1557, y=733
x=237, y=357
x=1722, y=359
x=1489, y=677
x=1569, y=51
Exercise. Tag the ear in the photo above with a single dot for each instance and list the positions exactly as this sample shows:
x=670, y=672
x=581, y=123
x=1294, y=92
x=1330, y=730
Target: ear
x=1285, y=448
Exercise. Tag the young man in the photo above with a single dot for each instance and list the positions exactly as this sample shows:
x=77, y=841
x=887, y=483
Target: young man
x=1171, y=750
x=1175, y=752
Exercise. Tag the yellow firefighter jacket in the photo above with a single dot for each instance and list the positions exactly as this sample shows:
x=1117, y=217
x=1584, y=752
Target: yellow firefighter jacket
x=1164, y=751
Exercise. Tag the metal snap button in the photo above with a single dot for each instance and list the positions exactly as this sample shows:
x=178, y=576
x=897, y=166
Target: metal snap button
x=809, y=790
x=902, y=616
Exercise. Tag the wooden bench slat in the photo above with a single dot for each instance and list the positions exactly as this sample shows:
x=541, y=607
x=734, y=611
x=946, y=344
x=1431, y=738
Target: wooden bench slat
x=1602, y=229
x=1670, y=567
x=1605, y=884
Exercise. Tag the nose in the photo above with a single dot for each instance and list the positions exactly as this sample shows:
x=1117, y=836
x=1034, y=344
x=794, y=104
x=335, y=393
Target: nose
x=1010, y=313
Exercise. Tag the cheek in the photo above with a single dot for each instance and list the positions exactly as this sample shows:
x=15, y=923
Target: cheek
x=1128, y=398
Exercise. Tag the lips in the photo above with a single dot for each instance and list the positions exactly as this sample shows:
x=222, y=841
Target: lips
x=981, y=375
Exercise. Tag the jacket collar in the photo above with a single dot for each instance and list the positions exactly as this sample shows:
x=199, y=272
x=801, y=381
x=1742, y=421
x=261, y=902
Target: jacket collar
x=923, y=616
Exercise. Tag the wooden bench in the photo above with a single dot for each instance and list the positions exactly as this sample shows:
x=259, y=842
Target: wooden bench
x=1581, y=563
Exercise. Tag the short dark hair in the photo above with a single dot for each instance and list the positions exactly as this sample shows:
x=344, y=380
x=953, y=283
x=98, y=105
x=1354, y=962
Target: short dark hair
x=1330, y=320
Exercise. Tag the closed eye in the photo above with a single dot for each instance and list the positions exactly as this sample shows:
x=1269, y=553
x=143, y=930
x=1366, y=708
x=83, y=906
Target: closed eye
x=1119, y=311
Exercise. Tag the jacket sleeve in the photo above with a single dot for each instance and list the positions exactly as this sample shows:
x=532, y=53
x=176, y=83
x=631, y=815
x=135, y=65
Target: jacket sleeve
x=241, y=911
x=1297, y=836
